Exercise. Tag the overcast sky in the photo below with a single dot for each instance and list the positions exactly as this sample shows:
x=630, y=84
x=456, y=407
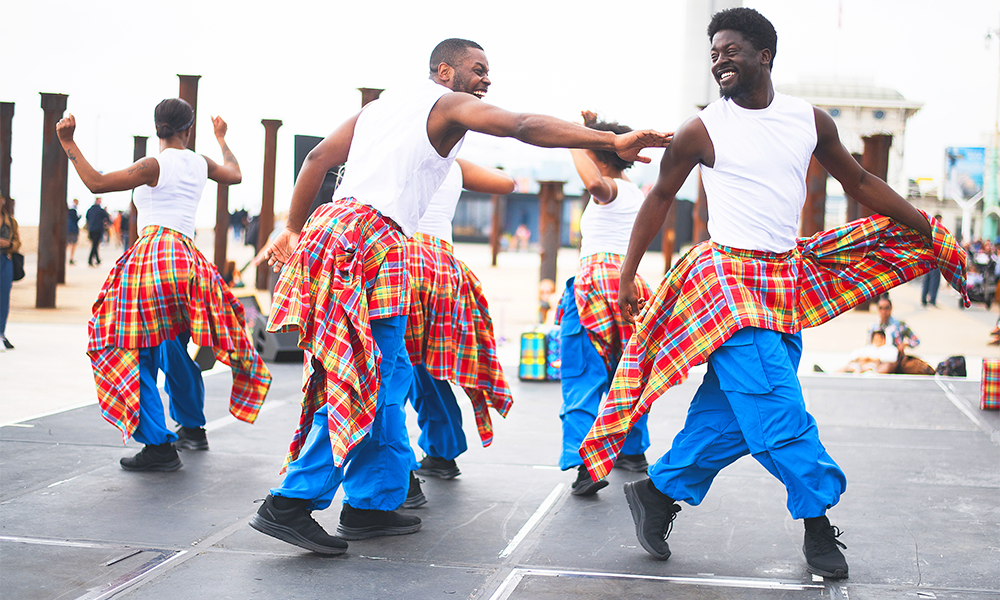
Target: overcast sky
x=301, y=62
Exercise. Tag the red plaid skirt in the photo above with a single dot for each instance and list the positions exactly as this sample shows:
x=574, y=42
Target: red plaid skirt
x=161, y=287
x=715, y=291
x=596, y=290
x=347, y=269
x=449, y=329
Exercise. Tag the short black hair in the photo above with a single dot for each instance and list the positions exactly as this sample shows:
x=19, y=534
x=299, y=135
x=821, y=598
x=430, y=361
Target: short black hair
x=751, y=24
x=608, y=156
x=172, y=116
x=450, y=52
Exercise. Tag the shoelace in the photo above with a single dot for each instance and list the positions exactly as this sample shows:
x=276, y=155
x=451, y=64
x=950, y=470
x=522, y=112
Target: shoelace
x=826, y=539
x=674, y=509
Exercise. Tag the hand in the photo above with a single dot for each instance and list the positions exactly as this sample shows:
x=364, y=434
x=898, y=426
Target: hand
x=4, y=243
x=629, y=302
x=65, y=128
x=589, y=117
x=628, y=145
x=220, y=127
x=280, y=250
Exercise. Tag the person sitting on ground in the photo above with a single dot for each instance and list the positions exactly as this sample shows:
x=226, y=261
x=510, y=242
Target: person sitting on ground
x=876, y=357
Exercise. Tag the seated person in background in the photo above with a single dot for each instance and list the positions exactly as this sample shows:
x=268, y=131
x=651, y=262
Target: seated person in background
x=896, y=332
x=876, y=357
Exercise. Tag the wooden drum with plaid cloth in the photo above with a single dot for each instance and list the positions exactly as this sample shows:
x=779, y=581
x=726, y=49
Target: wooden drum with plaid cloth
x=161, y=287
x=449, y=329
x=715, y=291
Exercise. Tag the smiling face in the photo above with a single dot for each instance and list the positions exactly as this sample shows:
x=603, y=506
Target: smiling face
x=737, y=66
x=472, y=74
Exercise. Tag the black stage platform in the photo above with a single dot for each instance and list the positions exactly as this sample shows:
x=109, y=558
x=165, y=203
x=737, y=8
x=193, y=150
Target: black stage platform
x=921, y=517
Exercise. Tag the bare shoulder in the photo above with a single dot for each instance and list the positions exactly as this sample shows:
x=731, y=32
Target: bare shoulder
x=692, y=140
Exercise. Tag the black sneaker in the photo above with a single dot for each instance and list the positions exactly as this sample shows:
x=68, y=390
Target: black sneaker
x=584, y=485
x=153, y=458
x=654, y=513
x=415, y=497
x=632, y=462
x=361, y=524
x=295, y=525
x=823, y=557
x=435, y=466
x=191, y=438
x=7, y=344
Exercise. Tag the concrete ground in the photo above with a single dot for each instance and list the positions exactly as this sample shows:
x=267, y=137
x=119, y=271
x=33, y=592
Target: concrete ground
x=921, y=516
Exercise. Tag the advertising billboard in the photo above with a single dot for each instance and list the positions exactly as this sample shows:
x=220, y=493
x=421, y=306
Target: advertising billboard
x=963, y=172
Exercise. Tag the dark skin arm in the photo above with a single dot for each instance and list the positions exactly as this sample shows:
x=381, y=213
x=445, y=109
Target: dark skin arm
x=484, y=180
x=229, y=172
x=456, y=113
x=329, y=153
x=145, y=171
x=858, y=183
x=691, y=146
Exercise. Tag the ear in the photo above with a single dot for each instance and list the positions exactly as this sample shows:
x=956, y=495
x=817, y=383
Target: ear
x=445, y=72
x=765, y=57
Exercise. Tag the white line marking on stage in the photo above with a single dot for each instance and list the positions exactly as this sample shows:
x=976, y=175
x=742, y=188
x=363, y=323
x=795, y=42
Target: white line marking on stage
x=52, y=485
x=130, y=579
x=950, y=394
x=533, y=520
x=230, y=419
x=43, y=542
x=511, y=582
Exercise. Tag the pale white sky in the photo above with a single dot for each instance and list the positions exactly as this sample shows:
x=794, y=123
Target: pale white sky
x=301, y=62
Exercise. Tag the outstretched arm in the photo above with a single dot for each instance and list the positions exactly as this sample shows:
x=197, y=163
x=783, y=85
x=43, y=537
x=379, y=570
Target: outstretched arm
x=484, y=180
x=602, y=189
x=691, y=146
x=228, y=172
x=454, y=114
x=145, y=171
x=329, y=153
x=858, y=183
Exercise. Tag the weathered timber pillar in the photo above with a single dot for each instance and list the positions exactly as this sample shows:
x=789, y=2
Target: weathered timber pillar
x=496, y=226
x=669, y=238
x=138, y=152
x=550, y=196
x=267, y=197
x=699, y=230
x=63, y=217
x=813, y=216
x=875, y=160
x=369, y=94
x=221, y=226
x=189, y=93
x=6, y=136
x=53, y=200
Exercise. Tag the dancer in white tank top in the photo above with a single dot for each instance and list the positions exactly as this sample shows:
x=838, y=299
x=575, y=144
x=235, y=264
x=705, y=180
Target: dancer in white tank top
x=163, y=292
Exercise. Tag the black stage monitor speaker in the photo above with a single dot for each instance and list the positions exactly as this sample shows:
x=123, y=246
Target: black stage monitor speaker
x=277, y=347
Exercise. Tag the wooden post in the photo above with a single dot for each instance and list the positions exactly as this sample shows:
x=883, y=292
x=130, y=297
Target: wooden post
x=875, y=160
x=189, y=93
x=699, y=231
x=138, y=152
x=6, y=136
x=267, y=198
x=221, y=226
x=53, y=199
x=813, y=216
x=550, y=196
x=369, y=94
x=496, y=226
x=853, y=208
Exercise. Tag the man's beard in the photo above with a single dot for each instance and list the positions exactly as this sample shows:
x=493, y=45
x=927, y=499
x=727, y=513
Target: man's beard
x=734, y=92
x=458, y=83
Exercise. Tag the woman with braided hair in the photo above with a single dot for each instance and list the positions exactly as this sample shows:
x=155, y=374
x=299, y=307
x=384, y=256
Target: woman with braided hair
x=163, y=292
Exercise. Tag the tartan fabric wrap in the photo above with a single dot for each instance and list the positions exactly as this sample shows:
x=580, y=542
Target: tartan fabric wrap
x=347, y=269
x=449, y=329
x=715, y=291
x=597, y=302
x=990, y=385
x=159, y=288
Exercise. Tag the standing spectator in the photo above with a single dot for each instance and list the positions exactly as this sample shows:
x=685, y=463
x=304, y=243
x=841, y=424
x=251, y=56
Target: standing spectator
x=896, y=332
x=238, y=221
x=10, y=242
x=73, y=229
x=930, y=283
x=126, y=223
x=97, y=220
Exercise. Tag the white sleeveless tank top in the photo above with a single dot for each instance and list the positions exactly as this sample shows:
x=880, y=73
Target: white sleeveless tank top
x=172, y=203
x=436, y=220
x=607, y=227
x=758, y=184
x=392, y=165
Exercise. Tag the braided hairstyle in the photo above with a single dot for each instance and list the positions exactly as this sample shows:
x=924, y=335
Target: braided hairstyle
x=172, y=116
